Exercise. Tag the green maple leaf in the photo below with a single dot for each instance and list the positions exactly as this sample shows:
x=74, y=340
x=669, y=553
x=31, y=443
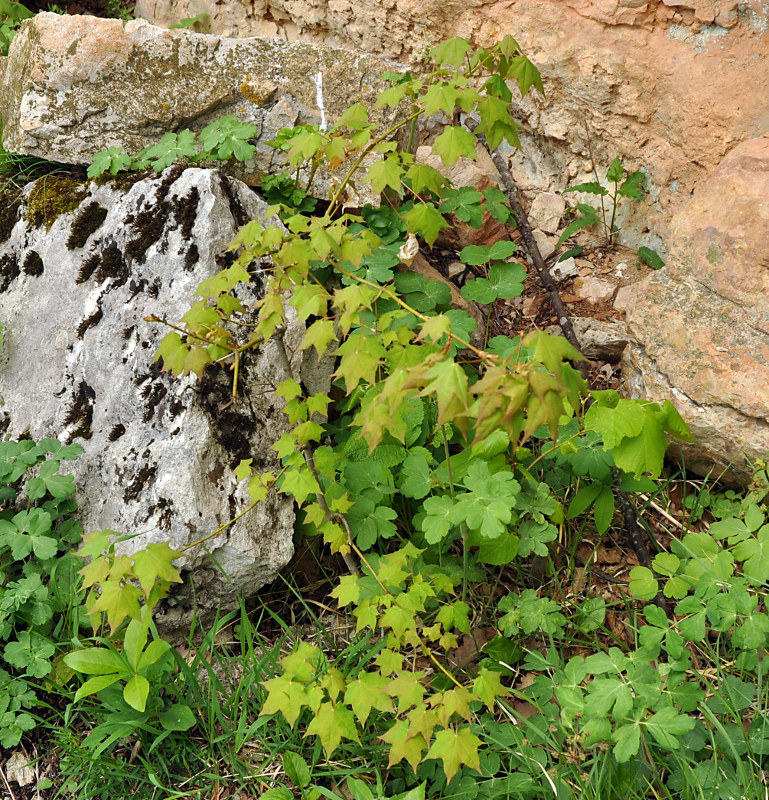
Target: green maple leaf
x=424, y=177
x=385, y=172
x=300, y=483
x=403, y=746
x=368, y=692
x=331, y=722
x=440, y=96
x=154, y=562
x=614, y=423
x=118, y=600
x=454, y=748
x=452, y=52
x=448, y=383
x=424, y=220
x=407, y=689
x=487, y=687
x=361, y=356
x=319, y=335
x=525, y=73
x=285, y=696
x=453, y=143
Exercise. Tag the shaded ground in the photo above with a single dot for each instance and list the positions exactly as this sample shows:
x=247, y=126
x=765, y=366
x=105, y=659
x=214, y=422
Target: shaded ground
x=96, y=8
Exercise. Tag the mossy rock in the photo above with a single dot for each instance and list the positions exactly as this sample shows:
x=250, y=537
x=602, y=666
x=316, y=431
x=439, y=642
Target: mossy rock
x=53, y=196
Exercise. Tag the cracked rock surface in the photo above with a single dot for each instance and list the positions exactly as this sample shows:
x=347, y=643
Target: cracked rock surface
x=77, y=363
x=700, y=327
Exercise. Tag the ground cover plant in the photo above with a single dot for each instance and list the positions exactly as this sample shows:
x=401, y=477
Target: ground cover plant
x=467, y=483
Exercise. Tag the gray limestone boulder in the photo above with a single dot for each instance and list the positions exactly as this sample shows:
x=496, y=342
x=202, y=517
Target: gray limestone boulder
x=81, y=266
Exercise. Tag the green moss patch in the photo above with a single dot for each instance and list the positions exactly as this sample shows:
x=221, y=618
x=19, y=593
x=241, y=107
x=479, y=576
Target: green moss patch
x=53, y=196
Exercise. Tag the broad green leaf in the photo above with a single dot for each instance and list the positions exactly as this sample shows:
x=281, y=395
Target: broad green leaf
x=628, y=740
x=455, y=748
x=588, y=216
x=453, y=143
x=626, y=419
x=650, y=257
x=643, y=583
x=438, y=518
x=136, y=691
x=667, y=725
x=177, y=717
x=424, y=220
x=589, y=188
x=615, y=171
x=452, y=52
x=526, y=74
x=383, y=173
x=96, y=661
x=331, y=722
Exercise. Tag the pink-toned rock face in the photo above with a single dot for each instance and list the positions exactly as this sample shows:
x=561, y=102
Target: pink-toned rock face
x=701, y=326
x=672, y=85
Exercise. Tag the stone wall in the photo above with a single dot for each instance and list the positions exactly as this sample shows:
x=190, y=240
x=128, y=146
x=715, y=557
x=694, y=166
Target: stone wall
x=672, y=85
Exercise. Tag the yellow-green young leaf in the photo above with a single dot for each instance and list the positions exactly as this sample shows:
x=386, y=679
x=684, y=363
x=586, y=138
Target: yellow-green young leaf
x=118, y=601
x=336, y=151
x=319, y=335
x=134, y=642
x=172, y=351
x=367, y=692
x=434, y=328
x=310, y=299
x=97, y=661
x=333, y=682
x=385, y=172
x=452, y=701
x=455, y=748
x=487, y=687
x=351, y=301
x=440, y=97
x=94, y=544
x=423, y=176
x=448, y=382
x=303, y=663
x=360, y=357
x=259, y=485
x=453, y=143
x=407, y=689
x=330, y=724
x=348, y=590
x=392, y=96
x=95, y=572
x=389, y=661
x=155, y=562
x=354, y=118
x=285, y=696
x=404, y=747
x=243, y=470
x=525, y=73
x=452, y=52
x=300, y=483
x=136, y=691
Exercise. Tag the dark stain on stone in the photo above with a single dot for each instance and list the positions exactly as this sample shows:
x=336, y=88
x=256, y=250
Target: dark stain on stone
x=186, y=211
x=191, y=257
x=152, y=395
x=112, y=265
x=10, y=200
x=89, y=322
x=145, y=474
x=149, y=224
x=232, y=423
x=164, y=505
x=123, y=180
x=9, y=271
x=80, y=413
x=88, y=268
x=175, y=408
x=88, y=221
x=116, y=432
x=154, y=288
x=33, y=264
x=128, y=332
x=53, y=196
x=236, y=208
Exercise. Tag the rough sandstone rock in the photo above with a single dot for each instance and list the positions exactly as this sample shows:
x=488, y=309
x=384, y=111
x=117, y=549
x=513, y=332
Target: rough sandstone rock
x=700, y=327
x=77, y=363
x=72, y=86
x=672, y=85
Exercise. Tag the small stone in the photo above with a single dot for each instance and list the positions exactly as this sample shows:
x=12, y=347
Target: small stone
x=456, y=268
x=619, y=270
x=564, y=269
x=594, y=289
x=625, y=297
x=546, y=212
x=18, y=770
x=544, y=242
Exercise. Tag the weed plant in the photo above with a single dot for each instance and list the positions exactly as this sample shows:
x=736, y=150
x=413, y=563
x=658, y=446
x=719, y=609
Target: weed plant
x=459, y=477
